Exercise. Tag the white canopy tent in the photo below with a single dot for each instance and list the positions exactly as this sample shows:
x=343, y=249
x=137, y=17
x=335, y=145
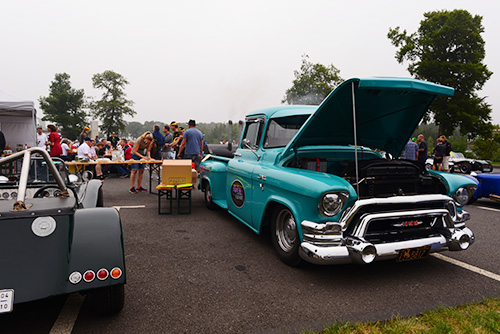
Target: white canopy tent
x=17, y=120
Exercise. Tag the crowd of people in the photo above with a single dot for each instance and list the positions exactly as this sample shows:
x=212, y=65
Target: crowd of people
x=174, y=142
x=417, y=149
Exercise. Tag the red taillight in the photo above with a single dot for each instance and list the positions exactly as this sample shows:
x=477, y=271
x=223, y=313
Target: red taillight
x=88, y=276
x=116, y=273
x=102, y=274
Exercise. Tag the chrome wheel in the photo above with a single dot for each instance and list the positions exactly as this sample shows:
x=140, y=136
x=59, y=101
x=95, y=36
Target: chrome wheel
x=209, y=203
x=286, y=230
x=285, y=236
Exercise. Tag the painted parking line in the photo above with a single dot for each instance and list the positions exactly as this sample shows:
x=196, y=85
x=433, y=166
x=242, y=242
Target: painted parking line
x=129, y=207
x=486, y=208
x=464, y=265
x=69, y=313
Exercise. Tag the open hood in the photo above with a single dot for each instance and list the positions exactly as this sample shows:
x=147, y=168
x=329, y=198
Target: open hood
x=387, y=111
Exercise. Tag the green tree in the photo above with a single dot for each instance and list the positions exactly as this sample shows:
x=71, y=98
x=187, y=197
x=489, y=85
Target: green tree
x=64, y=106
x=313, y=82
x=448, y=49
x=488, y=147
x=133, y=129
x=113, y=106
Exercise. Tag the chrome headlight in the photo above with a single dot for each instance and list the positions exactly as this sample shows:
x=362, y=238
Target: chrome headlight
x=463, y=194
x=331, y=203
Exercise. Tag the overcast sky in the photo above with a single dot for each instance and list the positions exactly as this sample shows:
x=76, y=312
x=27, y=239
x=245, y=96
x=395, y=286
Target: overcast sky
x=212, y=60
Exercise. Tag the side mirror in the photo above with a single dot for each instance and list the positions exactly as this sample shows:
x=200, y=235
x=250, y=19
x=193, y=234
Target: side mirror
x=246, y=143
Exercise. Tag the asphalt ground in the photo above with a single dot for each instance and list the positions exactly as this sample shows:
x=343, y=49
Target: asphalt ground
x=207, y=273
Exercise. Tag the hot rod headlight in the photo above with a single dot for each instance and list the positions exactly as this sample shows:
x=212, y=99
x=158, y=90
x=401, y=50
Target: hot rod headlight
x=463, y=194
x=331, y=203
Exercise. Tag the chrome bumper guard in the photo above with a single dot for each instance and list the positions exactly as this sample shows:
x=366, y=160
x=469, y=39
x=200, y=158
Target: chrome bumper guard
x=325, y=243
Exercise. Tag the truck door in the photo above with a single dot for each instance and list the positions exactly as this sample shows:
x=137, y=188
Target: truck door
x=240, y=186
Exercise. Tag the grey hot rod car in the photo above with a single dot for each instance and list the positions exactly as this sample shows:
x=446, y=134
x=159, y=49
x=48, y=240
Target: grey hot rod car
x=54, y=238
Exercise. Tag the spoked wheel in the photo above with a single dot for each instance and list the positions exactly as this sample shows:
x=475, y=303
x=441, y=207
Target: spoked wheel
x=465, y=167
x=285, y=236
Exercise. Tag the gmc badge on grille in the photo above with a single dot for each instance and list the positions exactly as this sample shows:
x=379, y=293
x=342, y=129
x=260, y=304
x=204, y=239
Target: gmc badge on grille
x=408, y=223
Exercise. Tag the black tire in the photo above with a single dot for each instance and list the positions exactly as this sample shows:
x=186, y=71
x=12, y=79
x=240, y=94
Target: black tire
x=100, y=198
x=285, y=236
x=472, y=200
x=465, y=167
x=208, y=198
x=108, y=300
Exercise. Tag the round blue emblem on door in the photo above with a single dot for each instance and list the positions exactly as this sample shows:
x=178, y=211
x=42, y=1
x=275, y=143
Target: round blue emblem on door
x=237, y=193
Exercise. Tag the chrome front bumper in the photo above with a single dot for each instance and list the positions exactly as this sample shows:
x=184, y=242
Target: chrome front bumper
x=327, y=243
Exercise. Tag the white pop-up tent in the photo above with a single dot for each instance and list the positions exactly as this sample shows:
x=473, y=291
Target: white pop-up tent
x=17, y=120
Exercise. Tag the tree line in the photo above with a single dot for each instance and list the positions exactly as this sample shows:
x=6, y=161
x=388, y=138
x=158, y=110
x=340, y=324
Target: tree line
x=214, y=132
x=447, y=49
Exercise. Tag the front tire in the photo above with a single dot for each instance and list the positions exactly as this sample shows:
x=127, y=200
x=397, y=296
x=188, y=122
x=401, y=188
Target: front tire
x=108, y=300
x=285, y=236
x=209, y=203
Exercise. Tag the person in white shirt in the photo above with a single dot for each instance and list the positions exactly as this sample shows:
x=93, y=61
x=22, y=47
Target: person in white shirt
x=86, y=150
x=41, y=138
x=65, y=149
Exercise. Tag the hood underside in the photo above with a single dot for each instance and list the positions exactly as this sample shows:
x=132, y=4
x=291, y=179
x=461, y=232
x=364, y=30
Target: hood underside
x=386, y=110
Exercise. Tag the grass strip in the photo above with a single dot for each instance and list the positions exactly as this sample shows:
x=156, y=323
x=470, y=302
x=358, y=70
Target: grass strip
x=478, y=318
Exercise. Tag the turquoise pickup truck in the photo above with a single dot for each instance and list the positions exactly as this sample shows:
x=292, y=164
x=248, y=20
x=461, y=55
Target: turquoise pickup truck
x=323, y=180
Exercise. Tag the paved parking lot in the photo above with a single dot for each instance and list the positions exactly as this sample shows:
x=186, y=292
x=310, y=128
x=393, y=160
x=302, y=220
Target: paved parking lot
x=207, y=273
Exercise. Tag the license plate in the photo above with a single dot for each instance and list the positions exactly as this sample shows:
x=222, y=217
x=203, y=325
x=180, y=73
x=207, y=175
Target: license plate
x=487, y=169
x=411, y=254
x=6, y=300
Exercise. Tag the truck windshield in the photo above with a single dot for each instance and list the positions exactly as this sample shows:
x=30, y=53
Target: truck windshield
x=281, y=130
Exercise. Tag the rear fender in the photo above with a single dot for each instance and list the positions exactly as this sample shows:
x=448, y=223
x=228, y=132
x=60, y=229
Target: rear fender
x=97, y=243
x=214, y=173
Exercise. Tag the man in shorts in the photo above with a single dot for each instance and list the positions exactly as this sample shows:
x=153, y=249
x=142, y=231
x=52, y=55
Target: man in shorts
x=193, y=143
x=446, y=156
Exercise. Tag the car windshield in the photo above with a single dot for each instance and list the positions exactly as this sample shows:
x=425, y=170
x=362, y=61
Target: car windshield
x=18, y=179
x=39, y=173
x=459, y=155
x=281, y=130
